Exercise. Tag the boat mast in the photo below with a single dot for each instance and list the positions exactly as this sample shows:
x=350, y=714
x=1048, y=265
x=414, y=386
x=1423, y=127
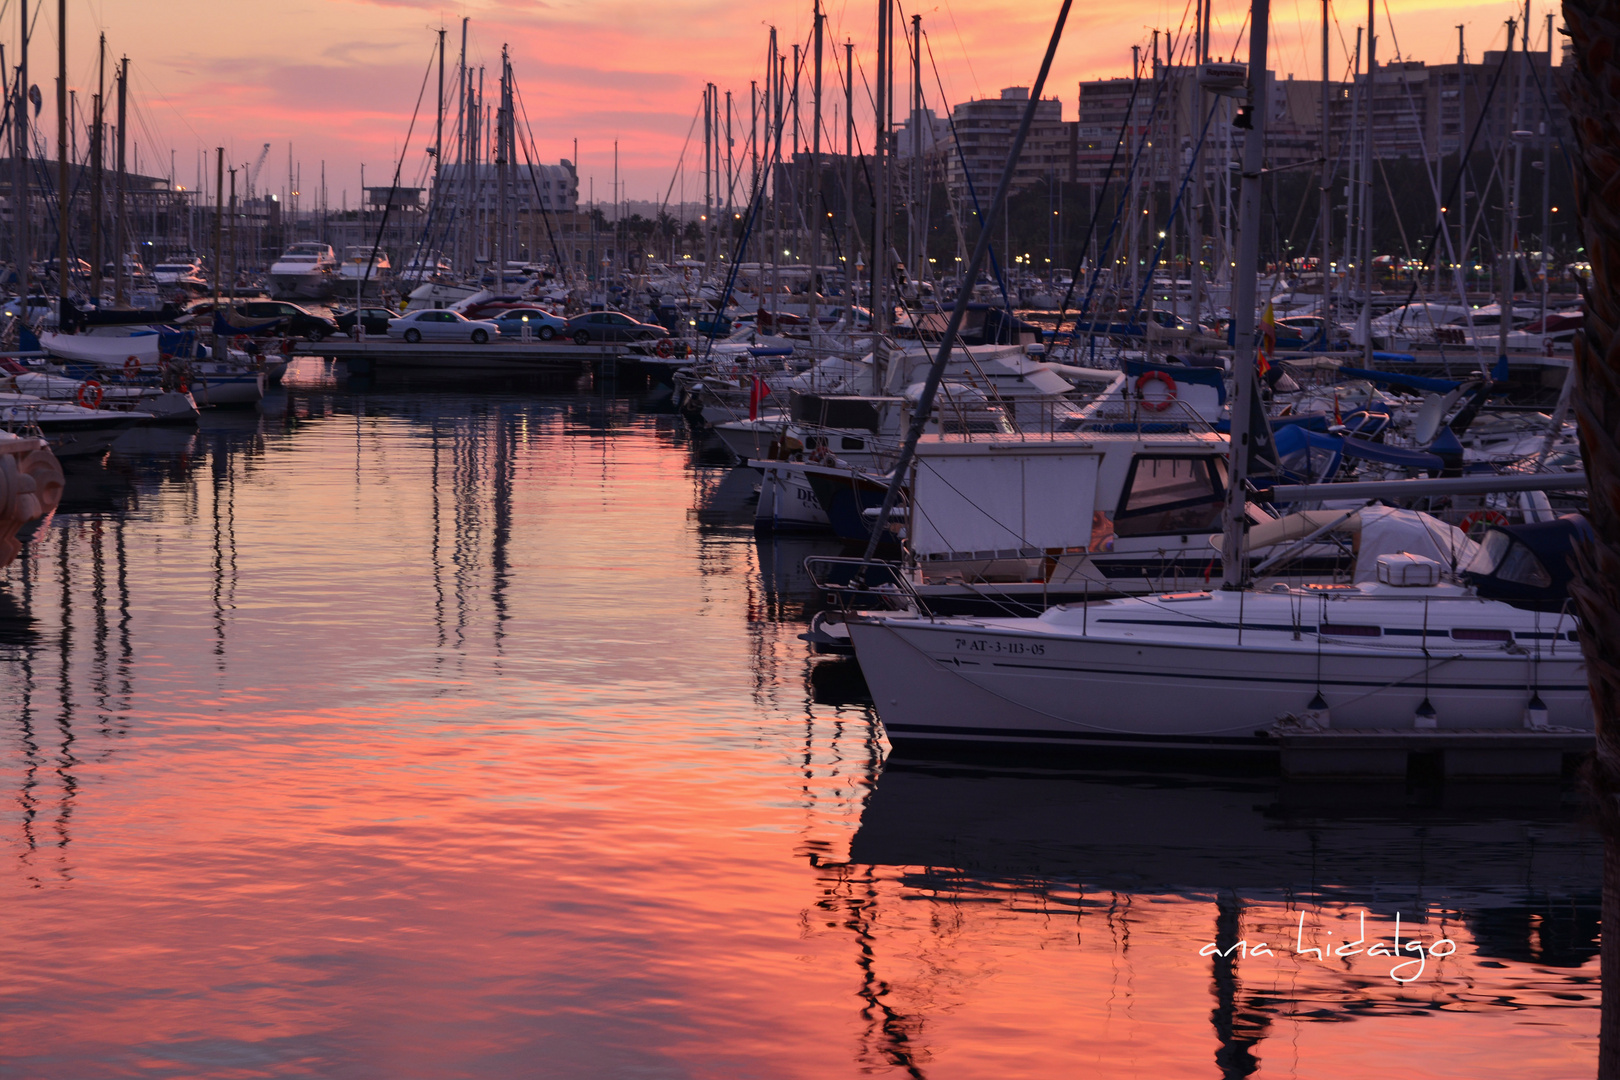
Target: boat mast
x=19, y=179
x=97, y=178
x=1546, y=184
x=815, y=217
x=1195, y=210
x=232, y=224
x=119, y=222
x=850, y=224
x=1326, y=193
x=1243, y=290
x=219, y=222
x=880, y=232
x=1504, y=287
x=708, y=176
x=919, y=222
x=1366, y=193
x=438, y=131
x=63, y=199
x=463, y=135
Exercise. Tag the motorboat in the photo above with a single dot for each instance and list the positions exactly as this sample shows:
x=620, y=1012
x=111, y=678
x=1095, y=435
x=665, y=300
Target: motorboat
x=164, y=404
x=363, y=267
x=305, y=270
x=185, y=276
x=69, y=429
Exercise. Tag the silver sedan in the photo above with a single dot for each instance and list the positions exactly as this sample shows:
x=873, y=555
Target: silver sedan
x=442, y=325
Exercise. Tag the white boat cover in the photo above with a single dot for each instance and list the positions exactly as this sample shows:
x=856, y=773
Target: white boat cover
x=103, y=351
x=1386, y=530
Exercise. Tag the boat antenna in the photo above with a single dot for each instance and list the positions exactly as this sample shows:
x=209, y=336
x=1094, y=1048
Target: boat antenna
x=925, y=405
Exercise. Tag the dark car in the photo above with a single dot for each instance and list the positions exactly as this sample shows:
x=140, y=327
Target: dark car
x=374, y=319
x=295, y=321
x=612, y=326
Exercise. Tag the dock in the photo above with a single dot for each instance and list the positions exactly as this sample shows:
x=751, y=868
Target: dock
x=1386, y=754
x=524, y=356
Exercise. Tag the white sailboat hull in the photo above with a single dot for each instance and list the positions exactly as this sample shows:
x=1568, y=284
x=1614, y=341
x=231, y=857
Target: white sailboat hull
x=787, y=503
x=1127, y=682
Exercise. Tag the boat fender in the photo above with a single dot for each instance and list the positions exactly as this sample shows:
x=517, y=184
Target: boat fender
x=1156, y=376
x=90, y=394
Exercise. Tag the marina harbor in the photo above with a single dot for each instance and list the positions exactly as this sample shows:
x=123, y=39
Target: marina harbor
x=787, y=541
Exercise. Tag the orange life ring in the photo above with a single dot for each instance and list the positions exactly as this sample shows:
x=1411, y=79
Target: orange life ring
x=664, y=348
x=1156, y=376
x=132, y=368
x=1488, y=517
x=90, y=394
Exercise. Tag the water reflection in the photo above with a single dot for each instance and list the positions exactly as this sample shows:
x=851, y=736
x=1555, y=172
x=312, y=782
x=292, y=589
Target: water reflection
x=1231, y=862
x=468, y=728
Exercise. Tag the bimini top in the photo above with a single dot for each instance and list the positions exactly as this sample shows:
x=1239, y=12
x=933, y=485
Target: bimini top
x=1527, y=564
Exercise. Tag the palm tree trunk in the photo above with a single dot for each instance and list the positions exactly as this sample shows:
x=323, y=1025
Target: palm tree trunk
x=1592, y=92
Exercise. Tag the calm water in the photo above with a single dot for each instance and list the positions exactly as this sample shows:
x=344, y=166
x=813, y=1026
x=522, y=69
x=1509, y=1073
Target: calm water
x=424, y=732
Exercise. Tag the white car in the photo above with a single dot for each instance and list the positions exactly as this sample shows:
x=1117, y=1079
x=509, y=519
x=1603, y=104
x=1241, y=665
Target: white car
x=442, y=325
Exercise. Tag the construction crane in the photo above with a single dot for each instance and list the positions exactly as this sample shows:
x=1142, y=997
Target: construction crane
x=253, y=173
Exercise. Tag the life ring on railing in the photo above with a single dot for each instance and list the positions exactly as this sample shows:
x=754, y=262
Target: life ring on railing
x=132, y=368
x=1156, y=376
x=239, y=342
x=664, y=349
x=1477, y=517
x=90, y=394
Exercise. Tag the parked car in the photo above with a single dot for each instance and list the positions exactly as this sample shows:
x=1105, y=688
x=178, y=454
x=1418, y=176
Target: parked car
x=612, y=326
x=542, y=324
x=442, y=325
x=295, y=321
x=374, y=319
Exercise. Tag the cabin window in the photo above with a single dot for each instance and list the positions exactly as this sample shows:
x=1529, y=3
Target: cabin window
x=1172, y=495
x=848, y=443
x=1349, y=630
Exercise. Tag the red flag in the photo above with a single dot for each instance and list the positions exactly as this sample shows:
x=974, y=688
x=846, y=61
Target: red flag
x=1268, y=341
x=756, y=394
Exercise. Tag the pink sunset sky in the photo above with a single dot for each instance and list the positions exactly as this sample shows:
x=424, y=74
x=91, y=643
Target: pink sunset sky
x=338, y=79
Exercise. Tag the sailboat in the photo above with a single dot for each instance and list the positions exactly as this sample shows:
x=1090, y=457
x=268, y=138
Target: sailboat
x=1408, y=645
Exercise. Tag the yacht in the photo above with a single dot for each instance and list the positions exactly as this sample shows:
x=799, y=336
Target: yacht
x=305, y=271
x=360, y=269
x=185, y=275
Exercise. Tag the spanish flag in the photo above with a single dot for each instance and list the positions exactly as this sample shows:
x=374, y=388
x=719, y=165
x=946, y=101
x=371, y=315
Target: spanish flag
x=1268, y=341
